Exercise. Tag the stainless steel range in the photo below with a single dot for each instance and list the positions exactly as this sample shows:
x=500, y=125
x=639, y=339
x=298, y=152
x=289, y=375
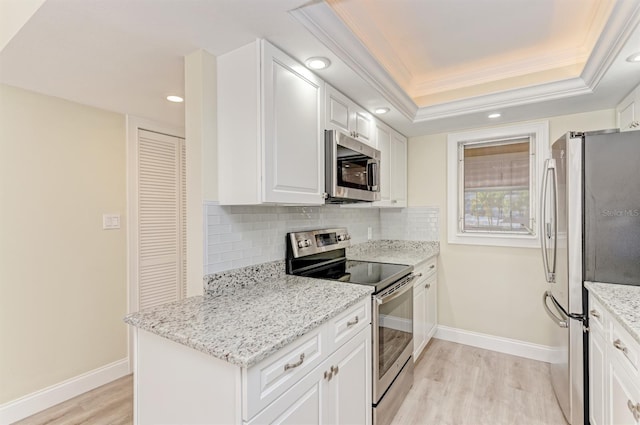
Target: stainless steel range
x=321, y=254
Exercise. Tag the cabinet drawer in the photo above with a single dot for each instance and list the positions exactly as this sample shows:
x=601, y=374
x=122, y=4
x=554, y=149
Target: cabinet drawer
x=349, y=323
x=625, y=349
x=270, y=378
x=427, y=269
x=597, y=317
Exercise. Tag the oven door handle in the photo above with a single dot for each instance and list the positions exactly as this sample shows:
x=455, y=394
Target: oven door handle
x=400, y=288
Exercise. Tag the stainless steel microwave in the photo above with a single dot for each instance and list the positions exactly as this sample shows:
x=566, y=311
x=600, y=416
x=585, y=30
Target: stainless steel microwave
x=352, y=169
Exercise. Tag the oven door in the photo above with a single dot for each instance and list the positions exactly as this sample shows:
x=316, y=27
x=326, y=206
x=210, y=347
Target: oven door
x=392, y=333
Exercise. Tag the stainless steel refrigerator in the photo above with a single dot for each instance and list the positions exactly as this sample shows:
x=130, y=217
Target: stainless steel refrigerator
x=590, y=231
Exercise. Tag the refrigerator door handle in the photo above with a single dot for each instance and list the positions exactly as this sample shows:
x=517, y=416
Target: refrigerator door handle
x=546, y=228
x=562, y=322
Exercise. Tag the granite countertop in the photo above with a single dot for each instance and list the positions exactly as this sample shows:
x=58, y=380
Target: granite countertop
x=250, y=319
x=622, y=301
x=391, y=251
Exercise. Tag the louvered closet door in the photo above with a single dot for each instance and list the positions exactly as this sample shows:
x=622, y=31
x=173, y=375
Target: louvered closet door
x=161, y=219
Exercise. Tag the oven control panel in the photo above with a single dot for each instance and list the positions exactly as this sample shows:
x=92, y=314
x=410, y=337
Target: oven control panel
x=316, y=241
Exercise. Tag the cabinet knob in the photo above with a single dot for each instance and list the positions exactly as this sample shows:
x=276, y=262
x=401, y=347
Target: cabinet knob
x=335, y=370
x=427, y=286
x=594, y=313
x=620, y=346
x=328, y=375
x=635, y=409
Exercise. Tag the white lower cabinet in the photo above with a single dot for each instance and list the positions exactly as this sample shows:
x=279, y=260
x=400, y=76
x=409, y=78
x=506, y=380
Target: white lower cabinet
x=425, y=313
x=324, y=377
x=614, y=378
x=333, y=393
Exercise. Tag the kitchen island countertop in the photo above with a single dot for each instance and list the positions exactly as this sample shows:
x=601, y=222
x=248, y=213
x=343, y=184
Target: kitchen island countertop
x=248, y=321
x=622, y=301
x=411, y=253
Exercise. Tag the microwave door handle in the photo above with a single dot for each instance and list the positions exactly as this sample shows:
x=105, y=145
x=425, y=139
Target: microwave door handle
x=372, y=175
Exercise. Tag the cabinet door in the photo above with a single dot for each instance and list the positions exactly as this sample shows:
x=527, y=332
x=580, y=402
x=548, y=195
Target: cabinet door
x=431, y=300
x=398, y=169
x=295, y=407
x=337, y=112
x=293, y=135
x=350, y=387
x=597, y=380
x=419, y=318
x=363, y=126
x=383, y=141
x=624, y=397
x=628, y=111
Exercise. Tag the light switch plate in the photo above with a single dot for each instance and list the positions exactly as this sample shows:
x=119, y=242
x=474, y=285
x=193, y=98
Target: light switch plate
x=110, y=221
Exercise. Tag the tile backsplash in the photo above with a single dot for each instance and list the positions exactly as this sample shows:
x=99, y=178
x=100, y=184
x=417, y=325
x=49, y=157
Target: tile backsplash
x=410, y=224
x=239, y=236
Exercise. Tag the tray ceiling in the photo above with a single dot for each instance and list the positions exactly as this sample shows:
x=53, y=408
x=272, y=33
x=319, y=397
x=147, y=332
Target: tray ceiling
x=435, y=48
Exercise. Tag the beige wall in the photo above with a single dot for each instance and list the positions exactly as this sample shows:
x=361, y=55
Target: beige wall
x=495, y=291
x=62, y=278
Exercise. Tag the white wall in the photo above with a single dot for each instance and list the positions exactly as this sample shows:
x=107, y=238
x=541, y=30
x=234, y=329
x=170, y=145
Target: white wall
x=495, y=291
x=201, y=147
x=62, y=278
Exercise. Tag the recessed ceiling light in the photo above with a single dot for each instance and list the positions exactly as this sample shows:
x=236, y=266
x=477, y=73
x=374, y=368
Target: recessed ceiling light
x=634, y=57
x=176, y=99
x=318, y=63
x=494, y=115
x=381, y=111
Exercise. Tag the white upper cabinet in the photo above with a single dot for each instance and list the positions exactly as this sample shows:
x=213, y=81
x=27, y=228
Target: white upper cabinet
x=393, y=166
x=345, y=115
x=628, y=111
x=270, y=128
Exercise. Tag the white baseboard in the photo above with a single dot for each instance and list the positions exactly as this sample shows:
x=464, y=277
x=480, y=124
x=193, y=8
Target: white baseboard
x=40, y=400
x=495, y=343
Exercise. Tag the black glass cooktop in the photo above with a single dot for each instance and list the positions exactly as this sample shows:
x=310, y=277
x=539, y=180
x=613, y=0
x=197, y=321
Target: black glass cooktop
x=378, y=275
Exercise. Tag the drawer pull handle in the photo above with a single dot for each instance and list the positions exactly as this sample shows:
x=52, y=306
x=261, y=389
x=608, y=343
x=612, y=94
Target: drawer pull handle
x=620, y=346
x=635, y=409
x=294, y=365
x=353, y=322
x=335, y=370
x=433, y=266
x=328, y=375
x=594, y=313
x=427, y=286
x=419, y=275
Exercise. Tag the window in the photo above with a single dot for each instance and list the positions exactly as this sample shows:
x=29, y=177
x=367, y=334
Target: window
x=493, y=185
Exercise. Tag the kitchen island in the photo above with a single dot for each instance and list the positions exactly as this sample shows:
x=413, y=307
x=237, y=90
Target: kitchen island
x=255, y=349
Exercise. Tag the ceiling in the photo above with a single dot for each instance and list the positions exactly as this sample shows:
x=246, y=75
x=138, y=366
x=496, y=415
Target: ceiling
x=440, y=65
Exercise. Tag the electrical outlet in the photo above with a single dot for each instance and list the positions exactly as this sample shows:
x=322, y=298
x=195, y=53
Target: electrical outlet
x=110, y=221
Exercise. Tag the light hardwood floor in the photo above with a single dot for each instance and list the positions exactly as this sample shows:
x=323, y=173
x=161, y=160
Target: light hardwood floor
x=110, y=404
x=461, y=385
x=454, y=385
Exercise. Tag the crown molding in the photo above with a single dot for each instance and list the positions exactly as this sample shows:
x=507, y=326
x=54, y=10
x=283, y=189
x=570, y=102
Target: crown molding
x=508, y=98
x=624, y=18
x=329, y=29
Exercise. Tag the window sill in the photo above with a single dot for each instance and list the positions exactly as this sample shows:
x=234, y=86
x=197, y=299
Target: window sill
x=513, y=241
